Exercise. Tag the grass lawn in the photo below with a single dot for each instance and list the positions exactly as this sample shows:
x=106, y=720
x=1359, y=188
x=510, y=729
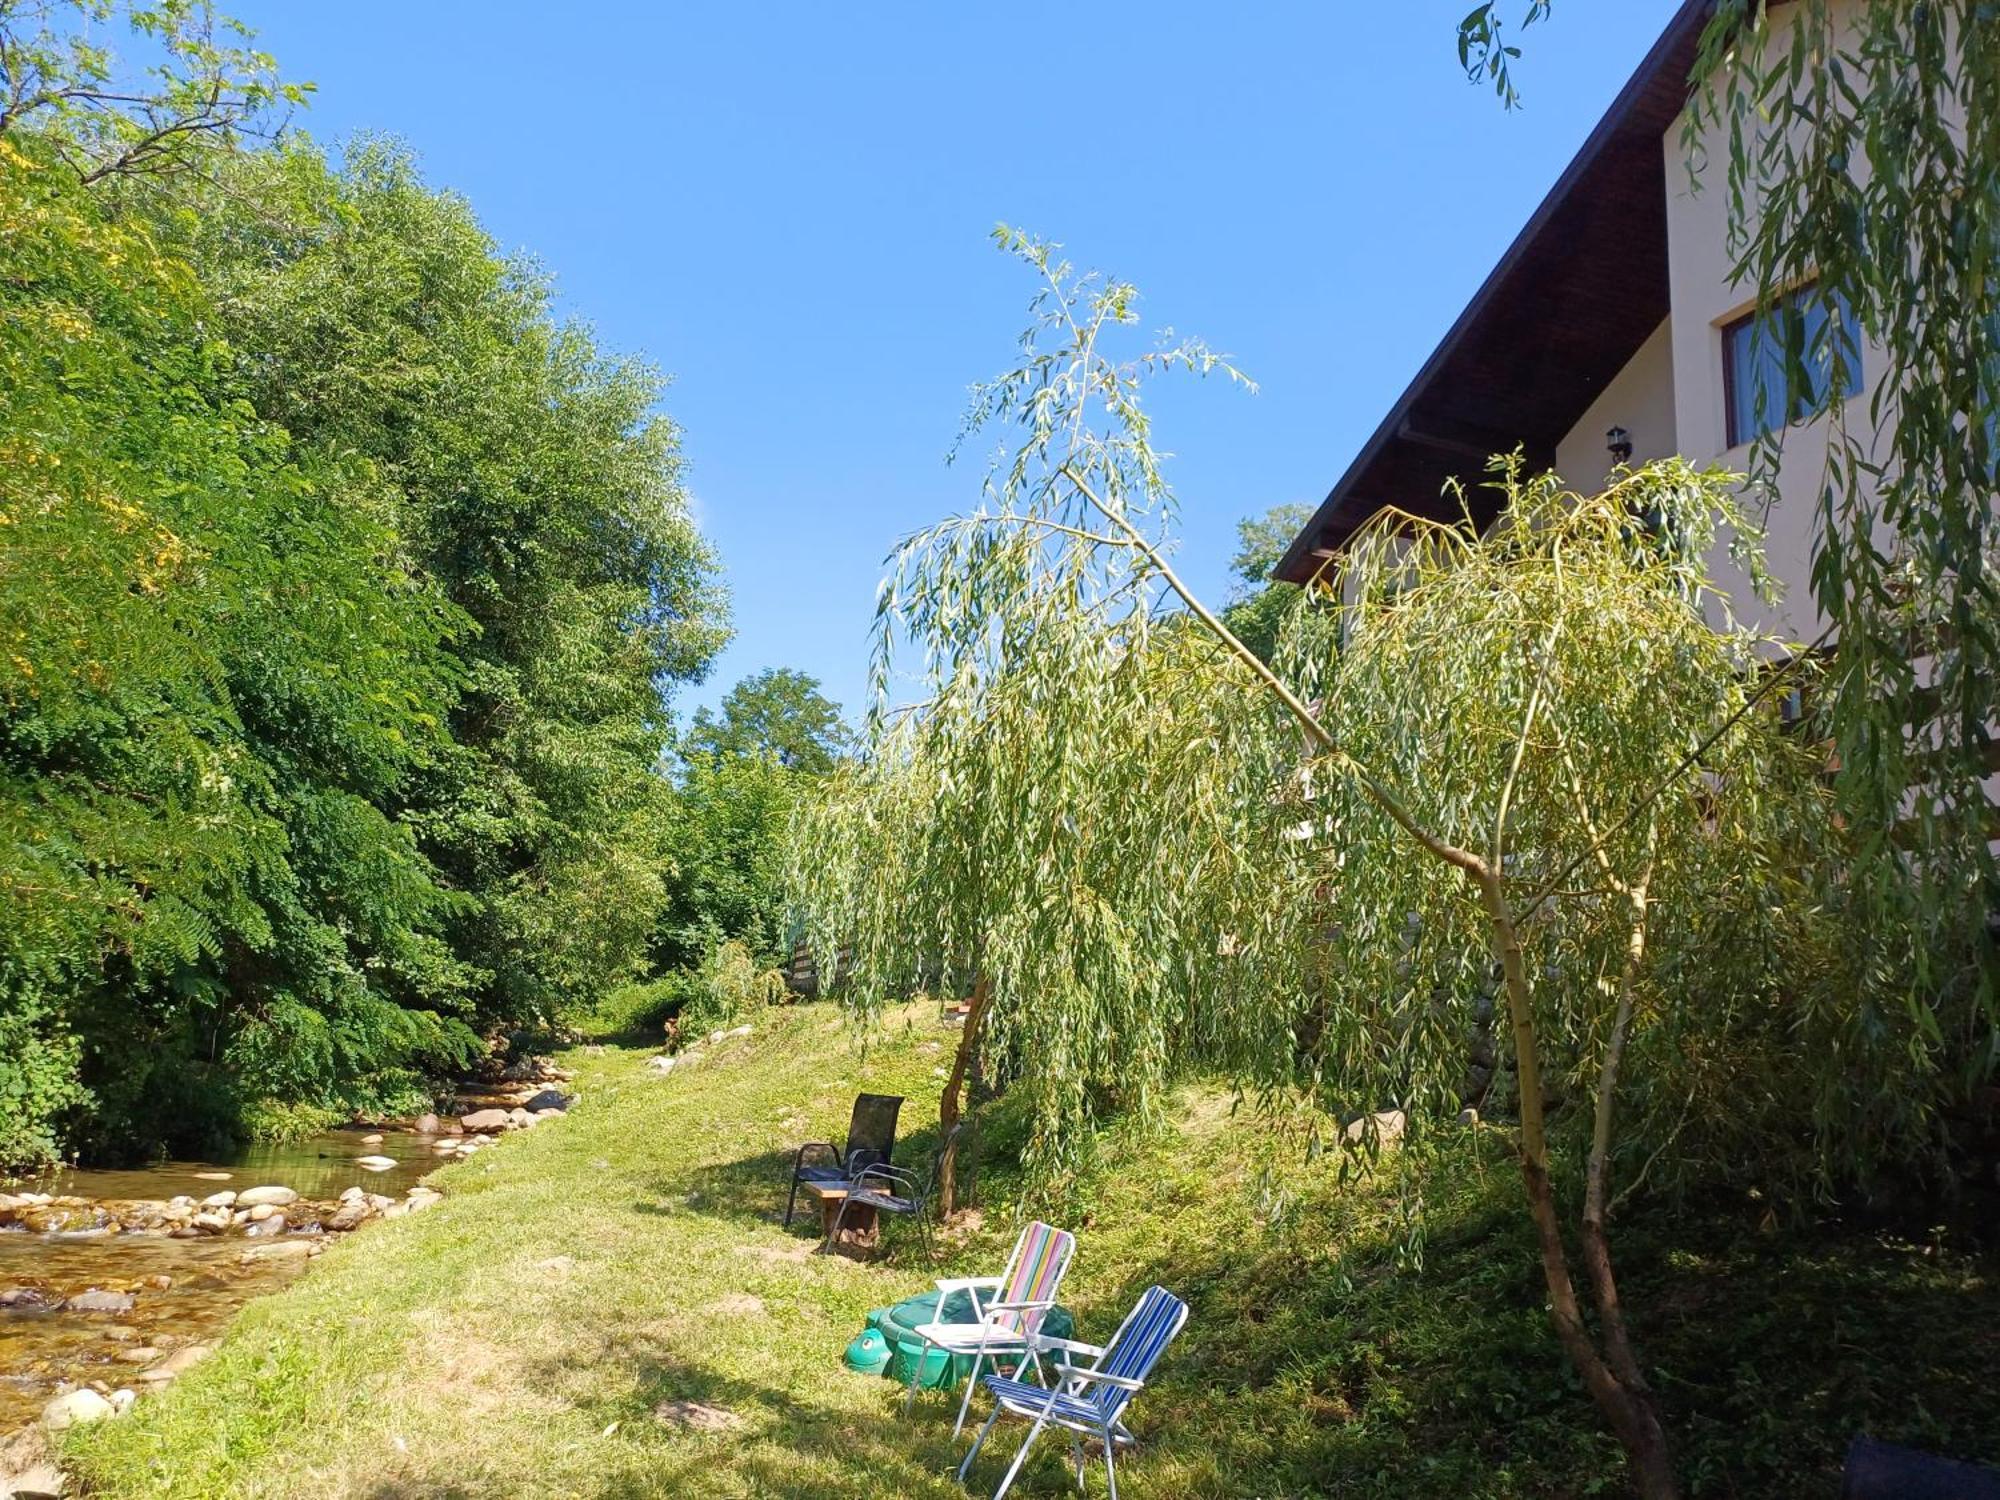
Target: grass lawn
x=516, y=1340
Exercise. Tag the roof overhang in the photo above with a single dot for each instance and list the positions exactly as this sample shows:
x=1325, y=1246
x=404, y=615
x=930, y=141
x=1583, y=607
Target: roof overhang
x=1569, y=304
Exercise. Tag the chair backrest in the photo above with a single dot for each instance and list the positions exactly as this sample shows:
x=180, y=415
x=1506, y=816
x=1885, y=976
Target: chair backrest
x=1034, y=1271
x=871, y=1133
x=1137, y=1346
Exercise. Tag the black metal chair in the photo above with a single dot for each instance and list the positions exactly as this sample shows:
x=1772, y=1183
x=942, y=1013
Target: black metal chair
x=871, y=1138
x=896, y=1190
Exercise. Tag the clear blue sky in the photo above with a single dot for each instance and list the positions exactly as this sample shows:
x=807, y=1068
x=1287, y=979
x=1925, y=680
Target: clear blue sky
x=786, y=207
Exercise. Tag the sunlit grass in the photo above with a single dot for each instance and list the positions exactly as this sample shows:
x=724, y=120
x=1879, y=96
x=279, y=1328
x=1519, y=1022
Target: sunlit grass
x=516, y=1340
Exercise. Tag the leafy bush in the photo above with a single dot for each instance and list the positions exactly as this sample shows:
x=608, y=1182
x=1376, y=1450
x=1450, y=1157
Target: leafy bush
x=728, y=988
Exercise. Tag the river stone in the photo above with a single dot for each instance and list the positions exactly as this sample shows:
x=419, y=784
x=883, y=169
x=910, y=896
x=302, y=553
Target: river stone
x=223, y=1199
x=76, y=1407
x=42, y=1482
x=1389, y=1126
x=145, y=1354
x=178, y=1363
x=278, y=1196
x=215, y=1176
x=264, y=1228
x=123, y=1401
x=548, y=1114
x=546, y=1099
x=265, y=1211
x=281, y=1250
x=484, y=1119
x=375, y=1163
x=372, y=1140
x=22, y=1296
x=426, y=1125
x=518, y=1117
x=214, y=1220
x=660, y=1064
x=349, y=1216
x=99, y=1301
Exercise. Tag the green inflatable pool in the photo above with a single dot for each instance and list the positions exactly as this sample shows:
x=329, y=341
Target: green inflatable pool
x=940, y=1371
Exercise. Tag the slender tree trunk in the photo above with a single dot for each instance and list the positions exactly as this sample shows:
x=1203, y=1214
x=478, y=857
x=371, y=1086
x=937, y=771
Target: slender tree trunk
x=1625, y=1402
x=951, y=1105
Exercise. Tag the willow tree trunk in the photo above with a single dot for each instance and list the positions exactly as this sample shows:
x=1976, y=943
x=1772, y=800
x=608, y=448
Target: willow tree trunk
x=1612, y=1377
x=951, y=1106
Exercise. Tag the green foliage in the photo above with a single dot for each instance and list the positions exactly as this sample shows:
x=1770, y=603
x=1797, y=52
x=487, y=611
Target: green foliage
x=724, y=832
x=729, y=988
x=638, y=1012
x=340, y=591
x=741, y=774
x=1258, y=604
x=204, y=88
x=1857, y=149
x=778, y=712
x=536, y=489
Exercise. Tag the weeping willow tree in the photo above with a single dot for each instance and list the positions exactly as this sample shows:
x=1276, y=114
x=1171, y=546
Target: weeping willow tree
x=1856, y=147
x=1537, y=778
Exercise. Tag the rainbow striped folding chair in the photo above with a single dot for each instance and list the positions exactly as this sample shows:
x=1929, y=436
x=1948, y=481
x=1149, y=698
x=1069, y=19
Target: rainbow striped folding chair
x=1021, y=1297
x=1087, y=1402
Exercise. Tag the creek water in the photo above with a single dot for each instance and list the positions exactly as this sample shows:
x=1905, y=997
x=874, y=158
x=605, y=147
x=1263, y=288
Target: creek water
x=183, y=1291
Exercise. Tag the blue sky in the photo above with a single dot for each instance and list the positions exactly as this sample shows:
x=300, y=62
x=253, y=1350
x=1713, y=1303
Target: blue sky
x=786, y=207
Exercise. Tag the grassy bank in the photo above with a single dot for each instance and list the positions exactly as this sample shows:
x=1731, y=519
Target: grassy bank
x=516, y=1340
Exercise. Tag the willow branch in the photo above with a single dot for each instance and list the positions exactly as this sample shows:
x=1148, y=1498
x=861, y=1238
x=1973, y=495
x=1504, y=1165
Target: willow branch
x=1382, y=797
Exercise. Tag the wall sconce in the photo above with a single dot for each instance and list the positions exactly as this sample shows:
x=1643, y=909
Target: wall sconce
x=1619, y=442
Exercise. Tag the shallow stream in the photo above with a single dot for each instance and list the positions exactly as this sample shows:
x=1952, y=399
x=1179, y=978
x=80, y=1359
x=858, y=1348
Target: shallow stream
x=183, y=1291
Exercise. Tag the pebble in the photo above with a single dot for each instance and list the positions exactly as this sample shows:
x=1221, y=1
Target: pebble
x=224, y=1199
x=375, y=1163
x=279, y=1196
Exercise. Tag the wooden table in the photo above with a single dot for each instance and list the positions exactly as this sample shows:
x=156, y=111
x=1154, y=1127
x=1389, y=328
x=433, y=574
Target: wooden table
x=863, y=1228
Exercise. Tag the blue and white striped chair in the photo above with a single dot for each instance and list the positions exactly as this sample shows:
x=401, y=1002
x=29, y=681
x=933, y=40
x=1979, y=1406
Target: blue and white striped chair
x=1086, y=1401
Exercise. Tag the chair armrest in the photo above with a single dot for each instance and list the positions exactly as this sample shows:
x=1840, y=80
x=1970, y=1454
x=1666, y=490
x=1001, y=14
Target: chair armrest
x=1122, y=1382
x=993, y=1307
x=1068, y=1346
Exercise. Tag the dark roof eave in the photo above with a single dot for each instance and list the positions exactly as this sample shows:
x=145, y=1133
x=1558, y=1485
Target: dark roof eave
x=1625, y=141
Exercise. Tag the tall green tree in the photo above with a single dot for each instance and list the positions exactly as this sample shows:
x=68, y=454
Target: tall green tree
x=778, y=712
x=537, y=488
x=341, y=588
x=1258, y=603
x=212, y=694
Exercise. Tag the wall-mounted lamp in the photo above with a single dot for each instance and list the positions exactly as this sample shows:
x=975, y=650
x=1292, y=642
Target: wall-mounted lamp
x=1619, y=442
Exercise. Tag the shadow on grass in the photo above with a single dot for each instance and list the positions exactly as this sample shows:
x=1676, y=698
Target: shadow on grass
x=777, y=1444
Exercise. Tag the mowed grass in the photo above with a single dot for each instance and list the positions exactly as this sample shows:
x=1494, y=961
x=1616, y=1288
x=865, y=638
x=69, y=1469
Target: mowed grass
x=517, y=1340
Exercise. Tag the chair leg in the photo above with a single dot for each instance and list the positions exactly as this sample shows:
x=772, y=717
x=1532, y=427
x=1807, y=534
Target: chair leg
x=1110, y=1469
x=792, y=1202
x=976, y=1442
x=832, y=1237
x=1076, y=1457
x=965, y=1404
x=1019, y=1458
